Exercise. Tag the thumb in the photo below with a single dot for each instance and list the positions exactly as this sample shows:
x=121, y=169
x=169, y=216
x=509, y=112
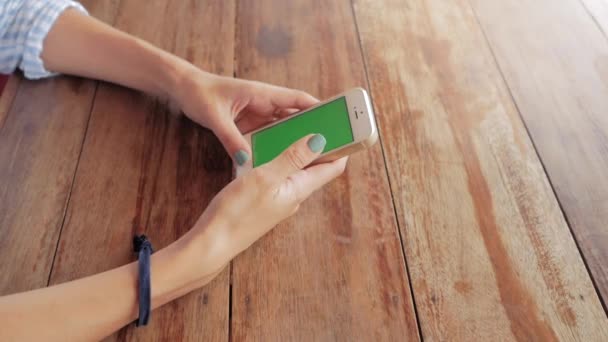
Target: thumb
x=296, y=157
x=233, y=141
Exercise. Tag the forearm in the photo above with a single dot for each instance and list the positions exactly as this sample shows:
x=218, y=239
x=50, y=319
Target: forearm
x=94, y=307
x=81, y=45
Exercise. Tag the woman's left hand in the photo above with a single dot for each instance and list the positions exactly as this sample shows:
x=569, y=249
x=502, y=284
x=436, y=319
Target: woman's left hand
x=231, y=107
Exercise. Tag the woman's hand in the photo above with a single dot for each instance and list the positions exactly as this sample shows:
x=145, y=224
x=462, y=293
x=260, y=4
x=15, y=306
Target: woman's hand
x=231, y=107
x=253, y=204
x=81, y=45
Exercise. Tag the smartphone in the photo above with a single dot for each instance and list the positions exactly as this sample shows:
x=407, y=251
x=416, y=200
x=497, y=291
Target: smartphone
x=346, y=121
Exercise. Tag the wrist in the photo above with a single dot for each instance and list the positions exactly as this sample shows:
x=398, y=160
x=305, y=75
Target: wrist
x=175, y=74
x=176, y=271
x=168, y=275
x=163, y=70
x=187, y=81
x=206, y=244
x=188, y=263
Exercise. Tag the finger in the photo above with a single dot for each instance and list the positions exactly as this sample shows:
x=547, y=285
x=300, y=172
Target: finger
x=290, y=98
x=299, y=155
x=285, y=112
x=233, y=141
x=249, y=123
x=252, y=122
x=307, y=181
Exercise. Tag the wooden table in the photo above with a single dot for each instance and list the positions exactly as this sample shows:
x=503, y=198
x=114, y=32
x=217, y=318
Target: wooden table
x=481, y=215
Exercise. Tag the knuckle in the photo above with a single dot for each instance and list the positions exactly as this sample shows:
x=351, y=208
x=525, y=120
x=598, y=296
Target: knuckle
x=293, y=196
x=299, y=197
x=304, y=98
x=261, y=178
x=295, y=209
x=296, y=158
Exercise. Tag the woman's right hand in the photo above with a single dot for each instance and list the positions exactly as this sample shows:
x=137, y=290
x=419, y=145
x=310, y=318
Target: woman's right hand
x=254, y=203
x=240, y=214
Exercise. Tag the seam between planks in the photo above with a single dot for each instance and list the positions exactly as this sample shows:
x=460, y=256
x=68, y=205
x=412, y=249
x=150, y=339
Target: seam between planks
x=235, y=42
x=234, y=75
x=84, y=138
x=230, y=305
x=69, y=196
x=388, y=178
x=539, y=157
x=597, y=23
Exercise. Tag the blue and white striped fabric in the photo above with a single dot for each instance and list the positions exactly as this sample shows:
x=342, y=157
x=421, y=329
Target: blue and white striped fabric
x=23, y=26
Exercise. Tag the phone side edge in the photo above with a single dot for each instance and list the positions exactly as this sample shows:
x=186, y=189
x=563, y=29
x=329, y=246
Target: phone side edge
x=371, y=114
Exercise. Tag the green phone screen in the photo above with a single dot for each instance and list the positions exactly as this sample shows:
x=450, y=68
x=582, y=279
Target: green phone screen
x=330, y=119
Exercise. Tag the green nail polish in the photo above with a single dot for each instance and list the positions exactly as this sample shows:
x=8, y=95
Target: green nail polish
x=241, y=157
x=317, y=143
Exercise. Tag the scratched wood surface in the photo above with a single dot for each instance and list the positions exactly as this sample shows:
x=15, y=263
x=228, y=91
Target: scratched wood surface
x=557, y=70
x=491, y=256
x=146, y=170
x=334, y=271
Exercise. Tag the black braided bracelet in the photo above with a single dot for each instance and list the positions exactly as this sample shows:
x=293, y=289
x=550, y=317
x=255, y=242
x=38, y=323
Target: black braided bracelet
x=143, y=247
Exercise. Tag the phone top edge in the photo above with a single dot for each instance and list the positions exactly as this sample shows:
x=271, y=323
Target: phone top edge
x=321, y=103
x=372, y=119
x=358, y=97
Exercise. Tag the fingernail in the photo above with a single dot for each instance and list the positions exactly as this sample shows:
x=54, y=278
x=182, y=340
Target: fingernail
x=241, y=157
x=316, y=143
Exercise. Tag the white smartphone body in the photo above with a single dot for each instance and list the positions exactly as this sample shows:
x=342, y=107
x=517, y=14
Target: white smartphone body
x=346, y=121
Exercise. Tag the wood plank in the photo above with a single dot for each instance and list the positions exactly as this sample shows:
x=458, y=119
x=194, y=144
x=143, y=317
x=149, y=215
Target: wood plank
x=39, y=148
x=555, y=61
x=8, y=95
x=491, y=256
x=40, y=142
x=334, y=271
x=146, y=170
x=102, y=10
x=599, y=11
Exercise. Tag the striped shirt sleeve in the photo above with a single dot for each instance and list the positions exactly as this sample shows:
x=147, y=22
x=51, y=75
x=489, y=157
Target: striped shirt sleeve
x=23, y=26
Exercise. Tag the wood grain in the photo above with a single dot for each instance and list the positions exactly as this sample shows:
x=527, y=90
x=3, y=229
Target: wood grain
x=555, y=61
x=334, y=271
x=146, y=170
x=491, y=256
x=39, y=148
x=599, y=11
x=103, y=10
x=40, y=143
x=7, y=95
